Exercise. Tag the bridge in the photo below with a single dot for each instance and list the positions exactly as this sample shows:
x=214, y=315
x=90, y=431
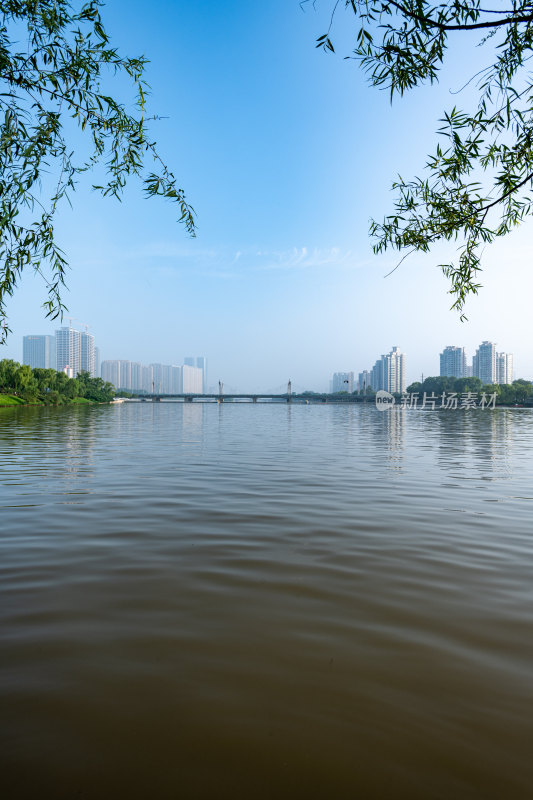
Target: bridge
x=288, y=397
x=253, y=397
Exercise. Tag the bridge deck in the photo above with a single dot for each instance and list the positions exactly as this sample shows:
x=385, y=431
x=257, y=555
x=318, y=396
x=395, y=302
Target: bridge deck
x=255, y=398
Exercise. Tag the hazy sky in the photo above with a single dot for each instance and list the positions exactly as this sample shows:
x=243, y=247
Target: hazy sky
x=285, y=153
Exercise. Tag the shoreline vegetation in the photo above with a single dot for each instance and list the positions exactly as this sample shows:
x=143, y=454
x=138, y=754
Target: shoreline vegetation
x=22, y=385
x=507, y=394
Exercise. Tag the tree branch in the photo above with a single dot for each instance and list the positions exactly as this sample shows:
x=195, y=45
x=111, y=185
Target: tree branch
x=498, y=23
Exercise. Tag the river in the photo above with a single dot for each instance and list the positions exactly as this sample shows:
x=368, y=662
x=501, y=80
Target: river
x=265, y=601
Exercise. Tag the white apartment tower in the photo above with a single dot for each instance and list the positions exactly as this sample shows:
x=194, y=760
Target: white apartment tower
x=192, y=379
x=504, y=367
x=388, y=372
x=124, y=375
x=68, y=350
x=136, y=376
x=177, y=380
x=201, y=363
x=394, y=371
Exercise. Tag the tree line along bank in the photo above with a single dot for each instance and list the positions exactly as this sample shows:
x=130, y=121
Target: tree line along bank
x=519, y=391
x=20, y=384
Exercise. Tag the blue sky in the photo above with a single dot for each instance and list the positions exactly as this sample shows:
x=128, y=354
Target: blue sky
x=285, y=153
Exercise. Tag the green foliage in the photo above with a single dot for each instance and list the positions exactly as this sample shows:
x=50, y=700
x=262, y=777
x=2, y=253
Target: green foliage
x=50, y=387
x=440, y=384
x=467, y=384
x=52, y=60
x=523, y=391
x=478, y=182
x=520, y=391
x=95, y=389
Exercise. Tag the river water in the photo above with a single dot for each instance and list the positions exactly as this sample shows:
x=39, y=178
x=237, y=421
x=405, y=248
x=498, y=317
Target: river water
x=265, y=601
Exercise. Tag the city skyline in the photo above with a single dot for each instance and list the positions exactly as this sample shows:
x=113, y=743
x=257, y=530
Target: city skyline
x=487, y=364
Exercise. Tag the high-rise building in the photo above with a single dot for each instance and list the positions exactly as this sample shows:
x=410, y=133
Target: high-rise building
x=147, y=379
x=504, y=367
x=111, y=372
x=68, y=350
x=125, y=374
x=388, y=372
x=201, y=363
x=342, y=382
x=87, y=354
x=376, y=374
x=39, y=352
x=167, y=378
x=157, y=378
x=394, y=371
x=453, y=362
x=136, y=376
x=177, y=380
x=365, y=380
x=484, y=363
x=192, y=380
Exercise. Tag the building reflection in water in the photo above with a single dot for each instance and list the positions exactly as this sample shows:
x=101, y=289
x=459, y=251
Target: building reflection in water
x=477, y=443
x=192, y=420
x=388, y=429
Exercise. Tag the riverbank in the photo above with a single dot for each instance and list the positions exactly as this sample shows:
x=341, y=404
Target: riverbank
x=10, y=400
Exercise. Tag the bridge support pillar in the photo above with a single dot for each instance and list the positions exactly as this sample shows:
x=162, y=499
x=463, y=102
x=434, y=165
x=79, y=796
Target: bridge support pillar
x=156, y=400
x=188, y=399
x=254, y=399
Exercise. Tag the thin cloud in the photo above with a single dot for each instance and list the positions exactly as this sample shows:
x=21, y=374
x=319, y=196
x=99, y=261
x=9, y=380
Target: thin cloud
x=229, y=264
x=315, y=258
